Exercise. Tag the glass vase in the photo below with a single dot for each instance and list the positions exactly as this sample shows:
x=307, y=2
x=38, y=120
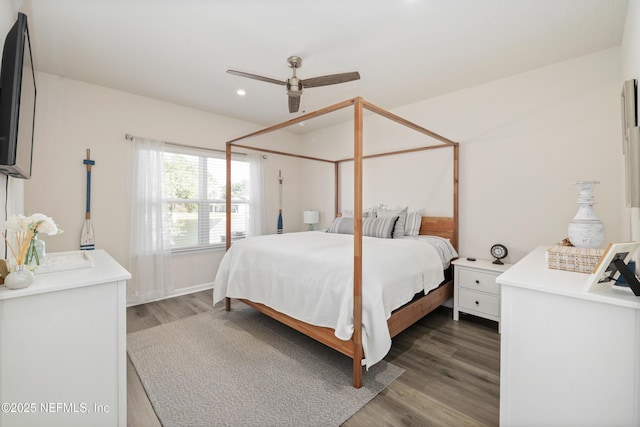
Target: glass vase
x=20, y=278
x=36, y=254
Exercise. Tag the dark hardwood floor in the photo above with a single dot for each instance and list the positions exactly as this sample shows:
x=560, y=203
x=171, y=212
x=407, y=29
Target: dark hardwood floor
x=452, y=368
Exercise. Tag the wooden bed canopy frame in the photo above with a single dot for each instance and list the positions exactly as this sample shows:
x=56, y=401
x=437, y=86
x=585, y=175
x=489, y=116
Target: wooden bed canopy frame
x=446, y=227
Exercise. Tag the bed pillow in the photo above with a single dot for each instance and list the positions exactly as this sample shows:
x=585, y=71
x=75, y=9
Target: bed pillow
x=401, y=213
x=366, y=213
x=371, y=227
x=414, y=220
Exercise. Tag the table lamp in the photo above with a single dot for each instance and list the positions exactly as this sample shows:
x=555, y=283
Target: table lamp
x=311, y=217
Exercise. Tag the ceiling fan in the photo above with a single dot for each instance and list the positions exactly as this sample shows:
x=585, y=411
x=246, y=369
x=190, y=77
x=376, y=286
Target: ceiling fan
x=295, y=85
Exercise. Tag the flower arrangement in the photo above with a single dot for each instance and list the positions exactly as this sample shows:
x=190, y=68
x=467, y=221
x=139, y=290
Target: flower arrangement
x=26, y=229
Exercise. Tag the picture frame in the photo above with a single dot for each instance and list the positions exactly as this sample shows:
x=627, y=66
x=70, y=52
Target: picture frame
x=607, y=271
x=629, y=106
x=632, y=167
x=630, y=141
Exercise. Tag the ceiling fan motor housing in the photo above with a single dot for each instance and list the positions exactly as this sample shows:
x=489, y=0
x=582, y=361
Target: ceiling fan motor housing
x=294, y=62
x=294, y=86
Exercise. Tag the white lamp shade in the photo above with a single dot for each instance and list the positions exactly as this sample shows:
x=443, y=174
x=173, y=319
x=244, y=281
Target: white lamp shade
x=311, y=217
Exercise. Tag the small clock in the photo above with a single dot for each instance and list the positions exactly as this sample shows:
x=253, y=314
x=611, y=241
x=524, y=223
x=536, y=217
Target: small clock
x=499, y=252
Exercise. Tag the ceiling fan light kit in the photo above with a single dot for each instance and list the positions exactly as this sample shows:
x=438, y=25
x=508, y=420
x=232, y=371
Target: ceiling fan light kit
x=295, y=86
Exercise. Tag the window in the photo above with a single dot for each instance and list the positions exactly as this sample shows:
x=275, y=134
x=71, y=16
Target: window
x=195, y=194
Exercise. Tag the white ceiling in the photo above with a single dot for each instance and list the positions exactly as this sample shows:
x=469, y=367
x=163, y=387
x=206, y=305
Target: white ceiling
x=405, y=50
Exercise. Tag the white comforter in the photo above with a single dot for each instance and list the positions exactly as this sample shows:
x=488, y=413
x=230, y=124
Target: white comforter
x=309, y=276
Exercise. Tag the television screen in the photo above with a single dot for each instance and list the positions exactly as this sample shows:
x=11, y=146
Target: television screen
x=17, y=102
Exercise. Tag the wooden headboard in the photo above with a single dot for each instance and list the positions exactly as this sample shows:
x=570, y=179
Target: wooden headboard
x=440, y=226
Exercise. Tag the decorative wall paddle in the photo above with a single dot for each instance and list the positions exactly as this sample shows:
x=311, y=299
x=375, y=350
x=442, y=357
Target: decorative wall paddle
x=87, y=238
x=280, y=202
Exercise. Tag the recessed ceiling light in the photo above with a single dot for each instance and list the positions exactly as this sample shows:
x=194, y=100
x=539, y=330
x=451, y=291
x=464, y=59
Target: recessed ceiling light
x=241, y=92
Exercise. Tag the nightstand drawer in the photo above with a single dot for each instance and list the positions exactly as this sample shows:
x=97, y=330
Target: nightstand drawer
x=478, y=280
x=476, y=301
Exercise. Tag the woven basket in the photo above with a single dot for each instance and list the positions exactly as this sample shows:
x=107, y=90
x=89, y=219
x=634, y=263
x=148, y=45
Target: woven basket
x=570, y=258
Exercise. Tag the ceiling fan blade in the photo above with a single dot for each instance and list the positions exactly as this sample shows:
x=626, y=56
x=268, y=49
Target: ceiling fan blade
x=256, y=77
x=331, y=79
x=294, y=104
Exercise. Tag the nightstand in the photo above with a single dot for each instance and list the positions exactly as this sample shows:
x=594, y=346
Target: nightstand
x=475, y=289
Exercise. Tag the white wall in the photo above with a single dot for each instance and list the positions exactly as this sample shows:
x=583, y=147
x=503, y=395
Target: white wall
x=72, y=116
x=630, y=64
x=630, y=48
x=8, y=16
x=524, y=141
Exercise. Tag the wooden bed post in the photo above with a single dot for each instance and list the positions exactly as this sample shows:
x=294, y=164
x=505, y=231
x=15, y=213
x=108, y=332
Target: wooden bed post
x=357, y=245
x=455, y=196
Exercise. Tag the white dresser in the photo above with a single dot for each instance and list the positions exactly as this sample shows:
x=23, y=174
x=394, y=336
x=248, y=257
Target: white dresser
x=63, y=348
x=568, y=357
x=476, y=290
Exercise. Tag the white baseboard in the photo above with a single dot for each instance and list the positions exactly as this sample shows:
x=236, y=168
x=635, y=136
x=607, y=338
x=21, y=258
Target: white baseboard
x=179, y=292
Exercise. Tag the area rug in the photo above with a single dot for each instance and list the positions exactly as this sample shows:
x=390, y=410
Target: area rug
x=242, y=368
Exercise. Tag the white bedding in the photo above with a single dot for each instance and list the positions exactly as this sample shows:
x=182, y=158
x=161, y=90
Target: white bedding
x=309, y=276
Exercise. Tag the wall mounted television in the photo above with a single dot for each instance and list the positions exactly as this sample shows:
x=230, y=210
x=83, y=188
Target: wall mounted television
x=17, y=102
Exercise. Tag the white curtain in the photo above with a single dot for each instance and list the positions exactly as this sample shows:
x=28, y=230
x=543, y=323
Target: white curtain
x=150, y=259
x=257, y=220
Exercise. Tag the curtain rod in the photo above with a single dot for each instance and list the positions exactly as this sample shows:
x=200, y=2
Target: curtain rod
x=175, y=144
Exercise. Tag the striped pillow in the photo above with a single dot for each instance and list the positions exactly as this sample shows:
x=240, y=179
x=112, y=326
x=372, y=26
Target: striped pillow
x=372, y=227
x=412, y=225
x=400, y=213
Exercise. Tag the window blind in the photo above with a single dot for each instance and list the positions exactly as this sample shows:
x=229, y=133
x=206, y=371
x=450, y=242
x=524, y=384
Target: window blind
x=195, y=197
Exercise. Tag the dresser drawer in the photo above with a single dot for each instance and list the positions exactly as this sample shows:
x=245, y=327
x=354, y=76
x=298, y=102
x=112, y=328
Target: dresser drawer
x=476, y=301
x=478, y=280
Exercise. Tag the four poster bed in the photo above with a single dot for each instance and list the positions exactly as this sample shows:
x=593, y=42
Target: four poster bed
x=406, y=278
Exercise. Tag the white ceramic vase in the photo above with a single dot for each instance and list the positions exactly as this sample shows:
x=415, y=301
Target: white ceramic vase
x=18, y=279
x=585, y=229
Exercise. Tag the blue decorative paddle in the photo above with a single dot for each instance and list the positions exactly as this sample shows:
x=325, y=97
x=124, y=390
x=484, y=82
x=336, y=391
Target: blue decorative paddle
x=87, y=238
x=280, y=203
